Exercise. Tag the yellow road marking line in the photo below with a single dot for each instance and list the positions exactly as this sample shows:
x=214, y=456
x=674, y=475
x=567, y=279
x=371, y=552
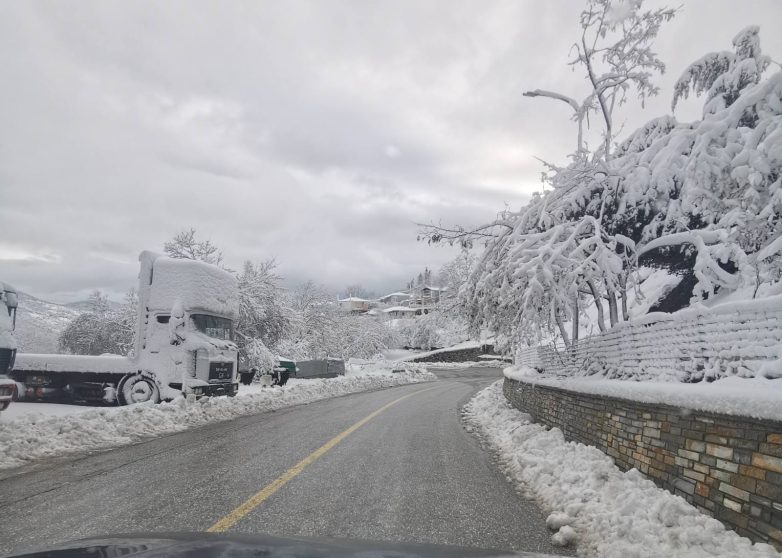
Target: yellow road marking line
x=257, y=499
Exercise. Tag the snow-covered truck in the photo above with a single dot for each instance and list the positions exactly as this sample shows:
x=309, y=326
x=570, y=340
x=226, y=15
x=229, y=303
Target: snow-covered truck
x=8, y=304
x=183, y=343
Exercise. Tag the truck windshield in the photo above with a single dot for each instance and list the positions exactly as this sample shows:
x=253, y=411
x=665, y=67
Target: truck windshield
x=219, y=328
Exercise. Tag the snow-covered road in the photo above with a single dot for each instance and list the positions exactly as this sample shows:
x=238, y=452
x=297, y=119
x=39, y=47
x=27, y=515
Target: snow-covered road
x=410, y=473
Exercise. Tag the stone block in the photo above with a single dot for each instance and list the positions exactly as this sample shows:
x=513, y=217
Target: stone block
x=731, y=505
x=690, y=474
x=688, y=454
x=767, y=462
x=727, y=466
x=719, y=451
x=770, y=449
x=770, y=491
x=733, y=491
x=695, y=445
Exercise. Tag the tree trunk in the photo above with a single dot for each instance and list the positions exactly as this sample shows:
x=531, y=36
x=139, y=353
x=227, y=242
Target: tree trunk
x=601, y=323
x=623, y=296
x=574, y=335
x=561, y=326
x=613, y=310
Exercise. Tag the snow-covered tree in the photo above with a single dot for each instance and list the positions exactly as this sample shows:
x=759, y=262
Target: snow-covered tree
x=263, y=311
x=722, y=76
x=102, y=329
x=185, y=246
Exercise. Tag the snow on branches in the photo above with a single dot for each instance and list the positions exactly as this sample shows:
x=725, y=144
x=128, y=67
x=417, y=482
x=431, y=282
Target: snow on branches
x=723, y=75
x=702, y=199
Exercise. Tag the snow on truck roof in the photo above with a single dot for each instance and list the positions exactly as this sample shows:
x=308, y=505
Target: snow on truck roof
x=197, y=285
x=400, y=309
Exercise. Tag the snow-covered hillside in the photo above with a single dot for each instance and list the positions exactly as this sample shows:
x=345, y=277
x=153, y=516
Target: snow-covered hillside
x=39, y=323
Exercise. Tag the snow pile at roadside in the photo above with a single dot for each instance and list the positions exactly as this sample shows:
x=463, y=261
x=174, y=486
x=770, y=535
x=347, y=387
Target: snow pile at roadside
x=750, y=397
x=467, y=364
x=33, y=437
x=608, y=513
x=358, y=366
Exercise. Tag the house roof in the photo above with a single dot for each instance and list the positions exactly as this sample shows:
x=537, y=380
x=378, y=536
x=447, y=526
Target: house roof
x=431, y=288
x=394, y=294
x=353, y=299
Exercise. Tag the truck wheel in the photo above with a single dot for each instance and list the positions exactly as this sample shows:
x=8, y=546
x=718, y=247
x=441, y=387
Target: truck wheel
x=137, y=389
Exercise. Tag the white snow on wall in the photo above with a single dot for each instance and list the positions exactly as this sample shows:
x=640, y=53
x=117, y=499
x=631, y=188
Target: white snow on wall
x=742, y=338
x=31, y=438
x=607, y=512
x=758, y=398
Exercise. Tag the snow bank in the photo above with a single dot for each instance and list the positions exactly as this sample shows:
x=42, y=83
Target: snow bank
x=747, y=397
x=488, y=363
x=457, y=347
x=610, y=514
x=34, y=437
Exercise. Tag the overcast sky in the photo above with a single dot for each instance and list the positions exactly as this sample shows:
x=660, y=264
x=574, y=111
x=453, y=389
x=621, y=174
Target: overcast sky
x=317, y=133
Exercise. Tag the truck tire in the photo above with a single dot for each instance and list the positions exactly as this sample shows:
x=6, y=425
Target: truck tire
x=137, y=389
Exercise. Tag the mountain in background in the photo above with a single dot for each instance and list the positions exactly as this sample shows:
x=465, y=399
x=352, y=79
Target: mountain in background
x=39, y=323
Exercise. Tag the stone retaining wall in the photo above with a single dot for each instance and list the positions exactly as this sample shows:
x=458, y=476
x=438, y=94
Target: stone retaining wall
x=728, y=467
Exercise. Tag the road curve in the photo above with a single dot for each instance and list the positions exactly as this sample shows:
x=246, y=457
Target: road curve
x=411, y=473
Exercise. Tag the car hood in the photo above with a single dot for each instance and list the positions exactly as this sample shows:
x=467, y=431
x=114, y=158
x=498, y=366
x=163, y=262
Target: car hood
x=207, y=545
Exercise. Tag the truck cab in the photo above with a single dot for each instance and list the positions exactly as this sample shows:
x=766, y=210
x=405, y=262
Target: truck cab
x=185, y=334
x=8, y=305
x=183, y=344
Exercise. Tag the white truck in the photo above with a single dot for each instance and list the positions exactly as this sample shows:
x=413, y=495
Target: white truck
x=183, y=343
x=8, y=304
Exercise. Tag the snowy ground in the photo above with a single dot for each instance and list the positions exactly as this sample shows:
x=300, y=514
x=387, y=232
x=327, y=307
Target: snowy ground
x=605, y=512
x=38, y=431
x=21, y=409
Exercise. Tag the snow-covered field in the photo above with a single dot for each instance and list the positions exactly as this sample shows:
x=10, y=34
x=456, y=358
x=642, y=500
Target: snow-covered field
x=28, y=435
x=606, y=512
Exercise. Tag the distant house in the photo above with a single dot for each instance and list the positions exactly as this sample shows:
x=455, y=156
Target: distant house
x=400, y=312
x=354, y=305
x=426, y=295
x=395, y=299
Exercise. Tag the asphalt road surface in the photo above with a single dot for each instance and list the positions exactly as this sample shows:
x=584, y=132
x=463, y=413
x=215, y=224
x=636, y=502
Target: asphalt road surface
x=409, y=473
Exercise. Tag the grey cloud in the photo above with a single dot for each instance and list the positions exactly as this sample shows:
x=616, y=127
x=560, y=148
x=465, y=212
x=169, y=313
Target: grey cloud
x=317, y=133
